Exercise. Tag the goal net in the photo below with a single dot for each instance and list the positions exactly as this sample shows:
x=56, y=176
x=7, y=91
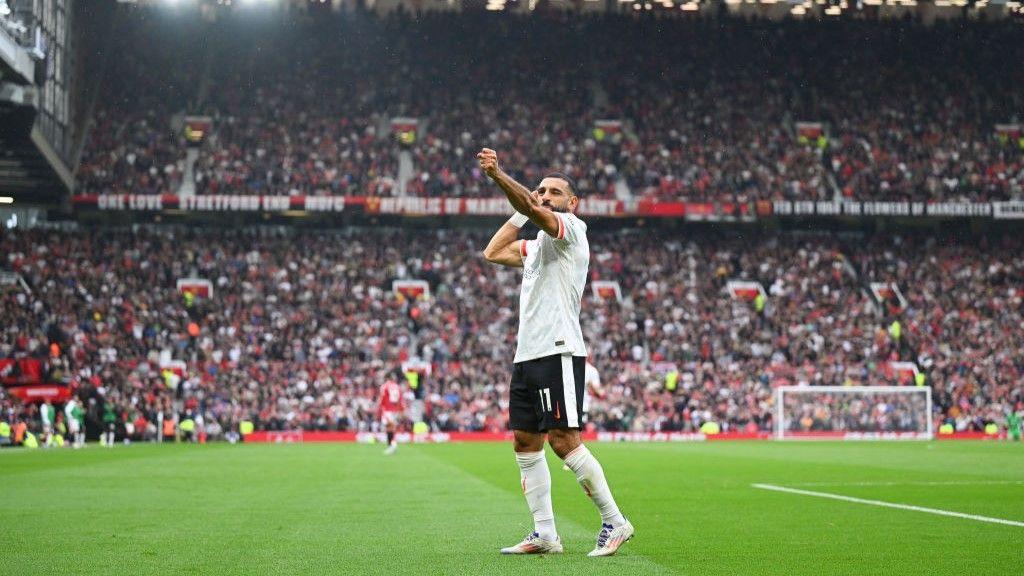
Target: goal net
x=853, y=412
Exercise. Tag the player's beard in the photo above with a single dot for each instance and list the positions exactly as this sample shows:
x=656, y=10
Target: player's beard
x=554, y=208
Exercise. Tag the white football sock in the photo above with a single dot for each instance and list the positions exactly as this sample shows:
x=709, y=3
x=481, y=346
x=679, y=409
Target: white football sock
x=536, y=481
x=590, y=476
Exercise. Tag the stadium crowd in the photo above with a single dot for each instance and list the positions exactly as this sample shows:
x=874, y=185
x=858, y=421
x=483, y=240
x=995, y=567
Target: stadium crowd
x=302, y=328
x=131, y=145
x=305, y=108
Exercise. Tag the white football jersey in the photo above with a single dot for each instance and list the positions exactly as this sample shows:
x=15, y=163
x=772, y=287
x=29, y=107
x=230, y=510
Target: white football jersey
x=554, y=276
x=591, y=379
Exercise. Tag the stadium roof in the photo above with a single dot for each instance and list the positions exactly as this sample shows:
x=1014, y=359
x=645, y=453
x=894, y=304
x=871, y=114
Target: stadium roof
x=30, y=169
x=771, y=9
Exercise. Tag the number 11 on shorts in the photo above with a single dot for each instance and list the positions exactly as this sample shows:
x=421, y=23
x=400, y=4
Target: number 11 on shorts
x=545, y=399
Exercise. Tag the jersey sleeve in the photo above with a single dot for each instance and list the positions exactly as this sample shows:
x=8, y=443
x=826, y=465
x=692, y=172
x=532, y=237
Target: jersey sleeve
x=527, y=247
x=570, y=229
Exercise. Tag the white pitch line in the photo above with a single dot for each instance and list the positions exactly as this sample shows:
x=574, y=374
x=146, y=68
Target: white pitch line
x=889, y=505
x=912, y=483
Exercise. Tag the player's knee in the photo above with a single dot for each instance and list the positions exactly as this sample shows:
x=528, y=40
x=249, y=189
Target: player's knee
x=563, y=441
x=527, y=442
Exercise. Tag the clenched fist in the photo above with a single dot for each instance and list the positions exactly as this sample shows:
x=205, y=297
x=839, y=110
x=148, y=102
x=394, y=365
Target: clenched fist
x=488, y=161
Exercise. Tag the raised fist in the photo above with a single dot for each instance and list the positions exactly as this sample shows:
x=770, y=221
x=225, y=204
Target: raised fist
x=488, y=161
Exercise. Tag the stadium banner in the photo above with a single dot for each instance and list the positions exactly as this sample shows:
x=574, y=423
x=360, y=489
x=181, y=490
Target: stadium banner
x=888, y=292
x=809, y=130
x=609, y=126
x=21, y=371
x=196, y=130
x=1008, y=133
x=853, y=208
x=418, y=206
x=716, y=212
x=200, y=287
x=1008, y=210
x=176, y=367
x=971, y=436
x=904, y=373
x=411, y=289
x=52, y=392
x=417, y=366
x=13, y=279
x=745, y=289
x=606, y=290
x=405, y=129
x=301, y=436
x=678, y=436
x=413, y=205
x=968, y=209
x=697, y=211
x=409, y=205
x=663, y=209
x=857, y=436
x=610, y=130
x=841, y=435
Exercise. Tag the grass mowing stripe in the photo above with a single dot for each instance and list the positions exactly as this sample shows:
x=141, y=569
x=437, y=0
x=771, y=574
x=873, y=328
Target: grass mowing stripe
x=346, y=509
x=341, y=509
x=889, y=505
x=25, y=461
x=569, y=530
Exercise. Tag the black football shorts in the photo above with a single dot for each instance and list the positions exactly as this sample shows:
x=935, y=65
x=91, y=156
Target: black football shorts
x=547, y=393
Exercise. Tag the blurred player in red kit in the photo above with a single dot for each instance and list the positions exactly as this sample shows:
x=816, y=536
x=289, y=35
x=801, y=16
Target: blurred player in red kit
x=390, y=407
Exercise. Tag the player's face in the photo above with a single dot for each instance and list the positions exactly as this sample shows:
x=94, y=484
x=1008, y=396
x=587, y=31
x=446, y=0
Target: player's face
x=555, y=194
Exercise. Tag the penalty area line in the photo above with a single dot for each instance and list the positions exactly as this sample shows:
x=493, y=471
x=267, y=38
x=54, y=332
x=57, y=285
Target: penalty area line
x=936, y=511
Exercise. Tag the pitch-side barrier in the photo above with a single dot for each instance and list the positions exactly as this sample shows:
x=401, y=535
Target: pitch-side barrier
x=301, y=436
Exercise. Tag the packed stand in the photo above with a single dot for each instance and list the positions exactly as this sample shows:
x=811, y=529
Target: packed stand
x=303, y=327
x=923, y=128
x=152, y=70
x=908, y=115
x=298, y=111
x=963, y=319
x=304, y=108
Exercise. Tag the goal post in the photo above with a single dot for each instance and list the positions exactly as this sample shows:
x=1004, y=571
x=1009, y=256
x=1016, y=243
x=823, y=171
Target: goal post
x=853, y=412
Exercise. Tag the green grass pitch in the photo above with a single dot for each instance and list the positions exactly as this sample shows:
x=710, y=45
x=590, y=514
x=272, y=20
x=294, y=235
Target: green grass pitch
x=447, y=509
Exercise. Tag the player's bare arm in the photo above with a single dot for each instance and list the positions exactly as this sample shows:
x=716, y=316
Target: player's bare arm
x=526, y=203
x=504, y=248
